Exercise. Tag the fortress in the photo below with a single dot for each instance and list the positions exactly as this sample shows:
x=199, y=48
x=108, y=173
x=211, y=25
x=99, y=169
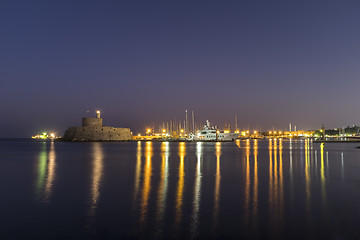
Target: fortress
x=93, y=130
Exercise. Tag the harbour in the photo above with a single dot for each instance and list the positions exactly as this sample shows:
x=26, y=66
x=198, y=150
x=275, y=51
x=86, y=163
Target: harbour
x=92, y=130
x=195, y=120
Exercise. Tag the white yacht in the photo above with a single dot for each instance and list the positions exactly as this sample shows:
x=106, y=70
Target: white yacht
x=210, y=133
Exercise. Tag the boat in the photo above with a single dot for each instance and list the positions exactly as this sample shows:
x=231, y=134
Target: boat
x=211, y=133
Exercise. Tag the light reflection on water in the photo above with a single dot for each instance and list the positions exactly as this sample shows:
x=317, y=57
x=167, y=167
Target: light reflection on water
x=217, y=186
x=137, y=174
x=50, y=172
x=97, y=172
x=163, y=187
x=307, y=179
x=182, y=189
x=41, y=170
x=45, y=172
x=255, y=190
x=276, y=184
x=146, y=183
x=180, y=185
x=197, y=192
x=275, y=187
x=247, y=184
x=323, y=180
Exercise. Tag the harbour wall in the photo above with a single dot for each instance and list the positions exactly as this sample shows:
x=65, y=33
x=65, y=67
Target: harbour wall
x=97, y=134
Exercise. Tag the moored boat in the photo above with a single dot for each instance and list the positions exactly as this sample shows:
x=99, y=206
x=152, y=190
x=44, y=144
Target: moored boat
x=211, y=133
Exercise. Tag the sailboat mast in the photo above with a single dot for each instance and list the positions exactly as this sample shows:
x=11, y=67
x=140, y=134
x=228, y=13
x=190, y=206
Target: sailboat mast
x=236, y=128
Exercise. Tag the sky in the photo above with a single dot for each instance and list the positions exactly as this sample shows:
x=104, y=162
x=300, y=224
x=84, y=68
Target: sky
x=144, y=62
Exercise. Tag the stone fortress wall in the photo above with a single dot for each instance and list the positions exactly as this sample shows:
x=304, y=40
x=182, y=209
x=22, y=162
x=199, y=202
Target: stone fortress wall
x=92, y=130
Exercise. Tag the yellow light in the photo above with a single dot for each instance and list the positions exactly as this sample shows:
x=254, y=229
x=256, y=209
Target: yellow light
x=139, y=135
x=269, y=132
x=182, y=130
x=52, y=135
x=217, y=131
x=97, y=111
x=275, y=132
x=280, y=132
x=164, y=131
x=149, y=130
x=247, y=131
x=44, y=133
x=255, y=132
x=226, y=131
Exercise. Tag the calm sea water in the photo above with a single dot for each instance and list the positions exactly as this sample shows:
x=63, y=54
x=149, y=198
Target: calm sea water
x=245, y=190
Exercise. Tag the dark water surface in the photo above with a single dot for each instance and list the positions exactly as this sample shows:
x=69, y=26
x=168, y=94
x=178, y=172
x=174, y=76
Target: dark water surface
x=245, y=190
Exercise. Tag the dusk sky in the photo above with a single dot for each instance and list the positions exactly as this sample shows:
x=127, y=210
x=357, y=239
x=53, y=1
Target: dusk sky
x=139, y=62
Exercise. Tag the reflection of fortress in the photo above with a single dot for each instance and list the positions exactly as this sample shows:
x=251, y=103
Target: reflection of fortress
x=92, y=130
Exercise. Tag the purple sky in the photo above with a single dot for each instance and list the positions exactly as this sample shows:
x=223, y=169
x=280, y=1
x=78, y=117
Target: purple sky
x=270, y=62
